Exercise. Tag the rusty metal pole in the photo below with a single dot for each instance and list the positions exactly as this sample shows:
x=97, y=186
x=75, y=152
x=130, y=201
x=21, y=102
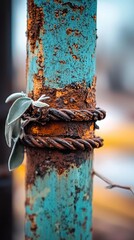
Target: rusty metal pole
x=61, y=64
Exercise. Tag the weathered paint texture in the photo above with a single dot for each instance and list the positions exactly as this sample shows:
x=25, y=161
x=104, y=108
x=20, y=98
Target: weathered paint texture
x=59, y=206
x=61, y=64
x=61, y=41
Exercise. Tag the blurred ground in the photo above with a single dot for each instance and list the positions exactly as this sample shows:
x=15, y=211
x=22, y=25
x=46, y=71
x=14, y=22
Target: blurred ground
x=113, y=209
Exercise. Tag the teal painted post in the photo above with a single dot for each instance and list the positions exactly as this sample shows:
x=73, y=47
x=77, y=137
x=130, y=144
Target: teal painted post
x=60, y=63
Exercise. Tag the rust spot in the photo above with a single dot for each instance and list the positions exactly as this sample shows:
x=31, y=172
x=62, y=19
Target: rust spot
x=59, y=13
x=27, y=202
x=64, y=12
x=56, y=13
x=77, y=33
x=75, y=46
x=62, y=62
x=34, y=23
x=84, y=223
x=32, y=218
x=69, y=31
x=71, y=50
x=94, y=17
x=57, y=1
x=75, y=57
x=74, y=7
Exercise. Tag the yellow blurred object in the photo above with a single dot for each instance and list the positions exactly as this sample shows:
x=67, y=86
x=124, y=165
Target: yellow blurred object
x=121, y=137
x=19, y=173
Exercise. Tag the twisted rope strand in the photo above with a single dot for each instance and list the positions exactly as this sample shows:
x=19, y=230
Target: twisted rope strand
x=62, y=143
x=76, y=115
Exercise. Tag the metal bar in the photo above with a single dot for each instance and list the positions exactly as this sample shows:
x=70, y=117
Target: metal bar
x=61, y=64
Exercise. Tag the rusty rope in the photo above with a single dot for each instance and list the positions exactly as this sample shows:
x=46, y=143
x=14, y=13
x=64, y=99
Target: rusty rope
x=76, y=115
x=62, y=143
x=53, y=114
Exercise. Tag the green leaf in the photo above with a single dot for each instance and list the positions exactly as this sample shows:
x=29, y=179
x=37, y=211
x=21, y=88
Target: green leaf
x=16, y=156
x=12, y=131
x=18, y=108
x=14, y=96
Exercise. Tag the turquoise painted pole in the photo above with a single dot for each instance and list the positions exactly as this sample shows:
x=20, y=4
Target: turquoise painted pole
x=61, y=64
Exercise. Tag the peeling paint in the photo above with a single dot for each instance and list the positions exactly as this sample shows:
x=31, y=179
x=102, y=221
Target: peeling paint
x=34, y=24
x=41, y=194
x=61, y=214
x=72, y=96
x=61, y=25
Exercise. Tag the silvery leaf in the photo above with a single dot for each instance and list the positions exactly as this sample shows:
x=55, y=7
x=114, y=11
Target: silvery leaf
x=14, y=96
x=43, y=98
x=12, y=131
x=8, y=134
x=16, y=129
x=16, y=156
x=40, y=104
x=18, y=108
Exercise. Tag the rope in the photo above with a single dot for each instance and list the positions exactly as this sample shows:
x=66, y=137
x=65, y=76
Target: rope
x=75, y=115
x=62, y=143
x=53, y=114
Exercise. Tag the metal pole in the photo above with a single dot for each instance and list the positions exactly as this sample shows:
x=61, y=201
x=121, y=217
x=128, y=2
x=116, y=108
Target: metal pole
x=61, y=64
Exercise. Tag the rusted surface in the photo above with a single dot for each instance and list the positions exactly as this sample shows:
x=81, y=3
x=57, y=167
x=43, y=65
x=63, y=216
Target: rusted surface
x=32, y=219
x=34, y=24
x=72, y=96
x=61, y=129
x=38, y=85
x=42, y=161
x=91, y=95
x=63, y=134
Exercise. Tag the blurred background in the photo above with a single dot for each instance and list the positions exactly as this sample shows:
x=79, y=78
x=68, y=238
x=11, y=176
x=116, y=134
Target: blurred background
x=113, y=210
